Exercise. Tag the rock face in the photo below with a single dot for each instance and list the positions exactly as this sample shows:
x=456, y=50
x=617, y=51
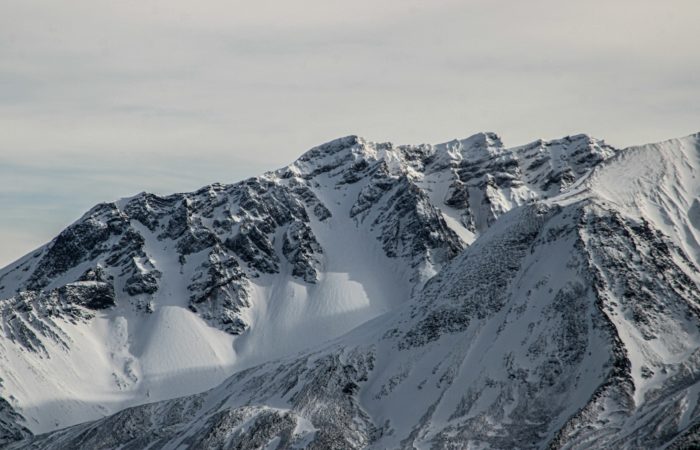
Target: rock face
x=537, y=296
x=10, y=429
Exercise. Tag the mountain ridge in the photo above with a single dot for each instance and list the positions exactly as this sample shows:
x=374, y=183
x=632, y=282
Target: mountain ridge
x=417, y=210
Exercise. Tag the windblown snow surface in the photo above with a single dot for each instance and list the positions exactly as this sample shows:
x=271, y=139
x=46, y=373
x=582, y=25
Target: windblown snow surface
x=462, y=295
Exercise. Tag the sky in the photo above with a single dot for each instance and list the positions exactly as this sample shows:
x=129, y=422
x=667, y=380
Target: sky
x=103, y=99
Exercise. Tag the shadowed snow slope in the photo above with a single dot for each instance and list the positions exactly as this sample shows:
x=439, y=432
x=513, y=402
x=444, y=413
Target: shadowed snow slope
x=449, y=296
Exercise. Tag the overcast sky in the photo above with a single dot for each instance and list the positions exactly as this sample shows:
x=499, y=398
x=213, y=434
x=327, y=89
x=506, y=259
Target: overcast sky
x=103, y=99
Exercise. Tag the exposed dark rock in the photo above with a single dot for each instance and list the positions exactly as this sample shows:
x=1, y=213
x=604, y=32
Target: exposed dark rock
x=90, y=294
x=219, y=292
x=10, y=429
x=302, y=250
x=142, y=283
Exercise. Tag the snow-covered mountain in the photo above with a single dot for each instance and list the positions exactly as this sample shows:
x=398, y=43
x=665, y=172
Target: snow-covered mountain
x=462, y=295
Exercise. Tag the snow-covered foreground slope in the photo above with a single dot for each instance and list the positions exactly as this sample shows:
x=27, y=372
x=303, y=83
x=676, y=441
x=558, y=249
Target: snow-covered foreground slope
x=570, y=318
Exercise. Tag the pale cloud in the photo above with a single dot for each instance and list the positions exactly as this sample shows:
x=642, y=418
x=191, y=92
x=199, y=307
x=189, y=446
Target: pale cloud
x=100, y=99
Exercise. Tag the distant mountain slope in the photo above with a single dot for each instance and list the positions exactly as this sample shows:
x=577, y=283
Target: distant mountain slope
x=152, y=297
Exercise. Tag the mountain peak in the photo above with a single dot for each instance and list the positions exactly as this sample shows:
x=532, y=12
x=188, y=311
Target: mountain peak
x=332, y=147
x=487, y=139
x=477, y=147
